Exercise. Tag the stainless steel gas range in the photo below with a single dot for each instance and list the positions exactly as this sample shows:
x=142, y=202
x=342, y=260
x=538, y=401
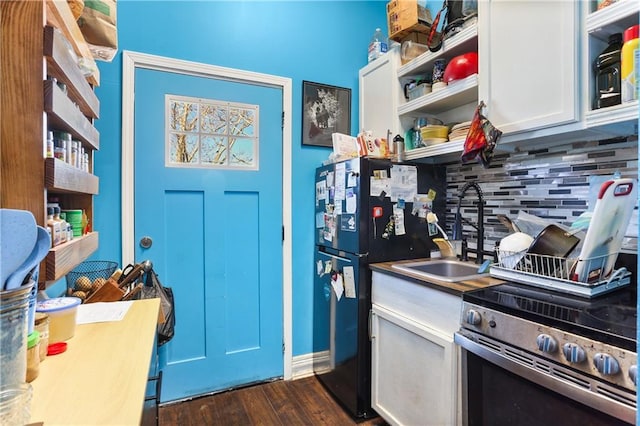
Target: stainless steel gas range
x=533, y=356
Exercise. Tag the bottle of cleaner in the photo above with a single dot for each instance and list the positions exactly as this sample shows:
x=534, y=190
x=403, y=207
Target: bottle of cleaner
x=62, y=225
x=630, y=64
x=378, y=45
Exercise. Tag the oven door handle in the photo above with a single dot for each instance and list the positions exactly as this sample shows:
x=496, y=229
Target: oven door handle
x=493, y=352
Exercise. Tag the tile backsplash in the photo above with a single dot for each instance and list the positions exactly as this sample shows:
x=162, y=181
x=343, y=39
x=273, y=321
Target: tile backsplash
x=551, y=183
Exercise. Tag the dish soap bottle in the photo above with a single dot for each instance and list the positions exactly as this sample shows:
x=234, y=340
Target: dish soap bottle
x=630, y=72
x=607, y=65
x=378, y=45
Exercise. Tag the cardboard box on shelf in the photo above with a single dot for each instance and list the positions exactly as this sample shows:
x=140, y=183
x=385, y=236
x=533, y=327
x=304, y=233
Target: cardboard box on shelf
x=407, y=16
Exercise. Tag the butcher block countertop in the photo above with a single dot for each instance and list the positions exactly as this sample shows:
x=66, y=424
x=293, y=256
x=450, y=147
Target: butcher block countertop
x=456, y=288
x=102, y=377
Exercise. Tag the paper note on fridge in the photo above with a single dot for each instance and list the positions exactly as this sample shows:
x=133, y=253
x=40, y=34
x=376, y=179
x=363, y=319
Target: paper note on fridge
x=341, y=181
x=338, y=286
x=352, y=201
x=379, y=185
x=404, y=182
x=349, y=282
x=321, y=191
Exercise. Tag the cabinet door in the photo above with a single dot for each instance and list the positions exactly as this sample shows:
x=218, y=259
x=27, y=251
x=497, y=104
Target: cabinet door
x=379, y=95
x=528, y=58
x=413, y=371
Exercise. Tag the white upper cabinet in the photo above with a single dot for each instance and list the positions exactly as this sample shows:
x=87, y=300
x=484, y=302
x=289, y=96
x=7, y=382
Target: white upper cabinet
x=535, y=76
x=529, y=61
x=379, y=95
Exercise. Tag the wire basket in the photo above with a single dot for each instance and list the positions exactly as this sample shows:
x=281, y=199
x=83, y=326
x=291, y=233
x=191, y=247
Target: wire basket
x=88, y=276
x=560, y=273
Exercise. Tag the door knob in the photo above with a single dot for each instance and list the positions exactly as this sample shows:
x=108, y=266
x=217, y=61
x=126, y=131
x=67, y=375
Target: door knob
x=146, y=242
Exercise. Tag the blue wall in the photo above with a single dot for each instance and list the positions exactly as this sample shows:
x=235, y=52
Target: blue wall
x=320, y=41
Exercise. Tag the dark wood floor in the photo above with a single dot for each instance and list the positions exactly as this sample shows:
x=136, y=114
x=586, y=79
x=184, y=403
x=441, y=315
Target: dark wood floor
x=294, y=402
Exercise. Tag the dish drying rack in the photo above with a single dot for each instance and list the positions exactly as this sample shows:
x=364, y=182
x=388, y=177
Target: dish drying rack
x=556, y=273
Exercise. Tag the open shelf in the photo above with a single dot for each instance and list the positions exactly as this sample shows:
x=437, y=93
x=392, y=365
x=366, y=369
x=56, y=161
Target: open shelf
x=442, y=149
x=63, y=258
x=61, y=65
x=59, y=15
x=614, y=18
x=457, y=93
x=618, y=119
x=64, y=115
x=60, y=177
x=463, y=42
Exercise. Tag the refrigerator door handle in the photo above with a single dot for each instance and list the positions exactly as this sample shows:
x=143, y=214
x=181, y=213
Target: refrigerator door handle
x=371, y=314
x=332, y=256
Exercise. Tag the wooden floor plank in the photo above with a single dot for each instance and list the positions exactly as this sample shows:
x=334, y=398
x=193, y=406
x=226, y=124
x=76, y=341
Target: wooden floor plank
x=258, y=407
x=280, y=403
x=285, y=404
x=318, y=403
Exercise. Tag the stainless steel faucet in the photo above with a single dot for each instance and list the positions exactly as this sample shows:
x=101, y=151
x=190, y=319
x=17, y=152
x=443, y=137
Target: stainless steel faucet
x=478, y=226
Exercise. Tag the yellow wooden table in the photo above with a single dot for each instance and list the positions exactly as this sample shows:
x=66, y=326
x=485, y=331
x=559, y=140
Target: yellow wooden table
x=101, y=379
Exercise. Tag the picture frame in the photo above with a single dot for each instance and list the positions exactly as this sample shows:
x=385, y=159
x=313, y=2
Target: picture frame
x=326, y=109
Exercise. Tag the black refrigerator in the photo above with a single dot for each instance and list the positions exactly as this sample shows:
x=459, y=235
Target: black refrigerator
x=367, y=211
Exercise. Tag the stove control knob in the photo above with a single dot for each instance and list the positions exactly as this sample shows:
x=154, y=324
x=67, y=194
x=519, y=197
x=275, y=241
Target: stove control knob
x=633, y=374
x=573, y=353
x=606, y=364
x=473, y=317
x=546, y=343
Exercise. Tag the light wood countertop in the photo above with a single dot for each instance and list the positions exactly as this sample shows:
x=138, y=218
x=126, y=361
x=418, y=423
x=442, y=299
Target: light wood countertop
x=102, y=377
x=456, y=288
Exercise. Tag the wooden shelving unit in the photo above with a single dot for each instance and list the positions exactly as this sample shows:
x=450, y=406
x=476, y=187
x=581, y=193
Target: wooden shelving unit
x=33, y=104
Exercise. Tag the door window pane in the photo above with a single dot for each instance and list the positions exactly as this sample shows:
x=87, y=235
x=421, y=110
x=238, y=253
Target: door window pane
x=209, y=133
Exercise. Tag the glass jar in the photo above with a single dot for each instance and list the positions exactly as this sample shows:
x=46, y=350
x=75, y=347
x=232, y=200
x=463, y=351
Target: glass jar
x=42, y=326
x=33, y=356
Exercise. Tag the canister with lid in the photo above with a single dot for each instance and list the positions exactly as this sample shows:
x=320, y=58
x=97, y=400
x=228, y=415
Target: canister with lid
x=629, y=64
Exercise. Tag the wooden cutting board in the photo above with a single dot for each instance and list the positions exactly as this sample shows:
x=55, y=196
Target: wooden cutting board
x=611, y=215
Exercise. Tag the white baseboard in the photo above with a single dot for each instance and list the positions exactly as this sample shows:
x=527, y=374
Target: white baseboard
x=302, y=365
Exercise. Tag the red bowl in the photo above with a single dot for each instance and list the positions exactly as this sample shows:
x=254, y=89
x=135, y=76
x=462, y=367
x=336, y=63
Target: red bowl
x=461, y=66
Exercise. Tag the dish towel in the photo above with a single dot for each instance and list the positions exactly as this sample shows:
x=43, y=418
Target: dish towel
x=481, y=139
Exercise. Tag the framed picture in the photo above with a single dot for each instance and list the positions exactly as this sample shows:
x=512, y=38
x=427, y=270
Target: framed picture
x=325, y=110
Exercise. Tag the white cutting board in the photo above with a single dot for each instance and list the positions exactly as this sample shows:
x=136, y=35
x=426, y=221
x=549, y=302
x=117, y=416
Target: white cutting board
x=610, y=220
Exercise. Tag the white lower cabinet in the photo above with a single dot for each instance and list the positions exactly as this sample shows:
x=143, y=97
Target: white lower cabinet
x=415, y=362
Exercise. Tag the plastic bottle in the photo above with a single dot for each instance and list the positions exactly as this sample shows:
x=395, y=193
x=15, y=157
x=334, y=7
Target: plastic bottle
x=62, y=225
x=50, y=145
x=68, y=146
x=378, y=45
x=630, y=64
x=54, y=226
x=608, y=73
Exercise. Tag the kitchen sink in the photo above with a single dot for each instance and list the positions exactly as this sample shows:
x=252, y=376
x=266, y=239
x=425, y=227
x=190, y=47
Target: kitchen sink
x=444, y=270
